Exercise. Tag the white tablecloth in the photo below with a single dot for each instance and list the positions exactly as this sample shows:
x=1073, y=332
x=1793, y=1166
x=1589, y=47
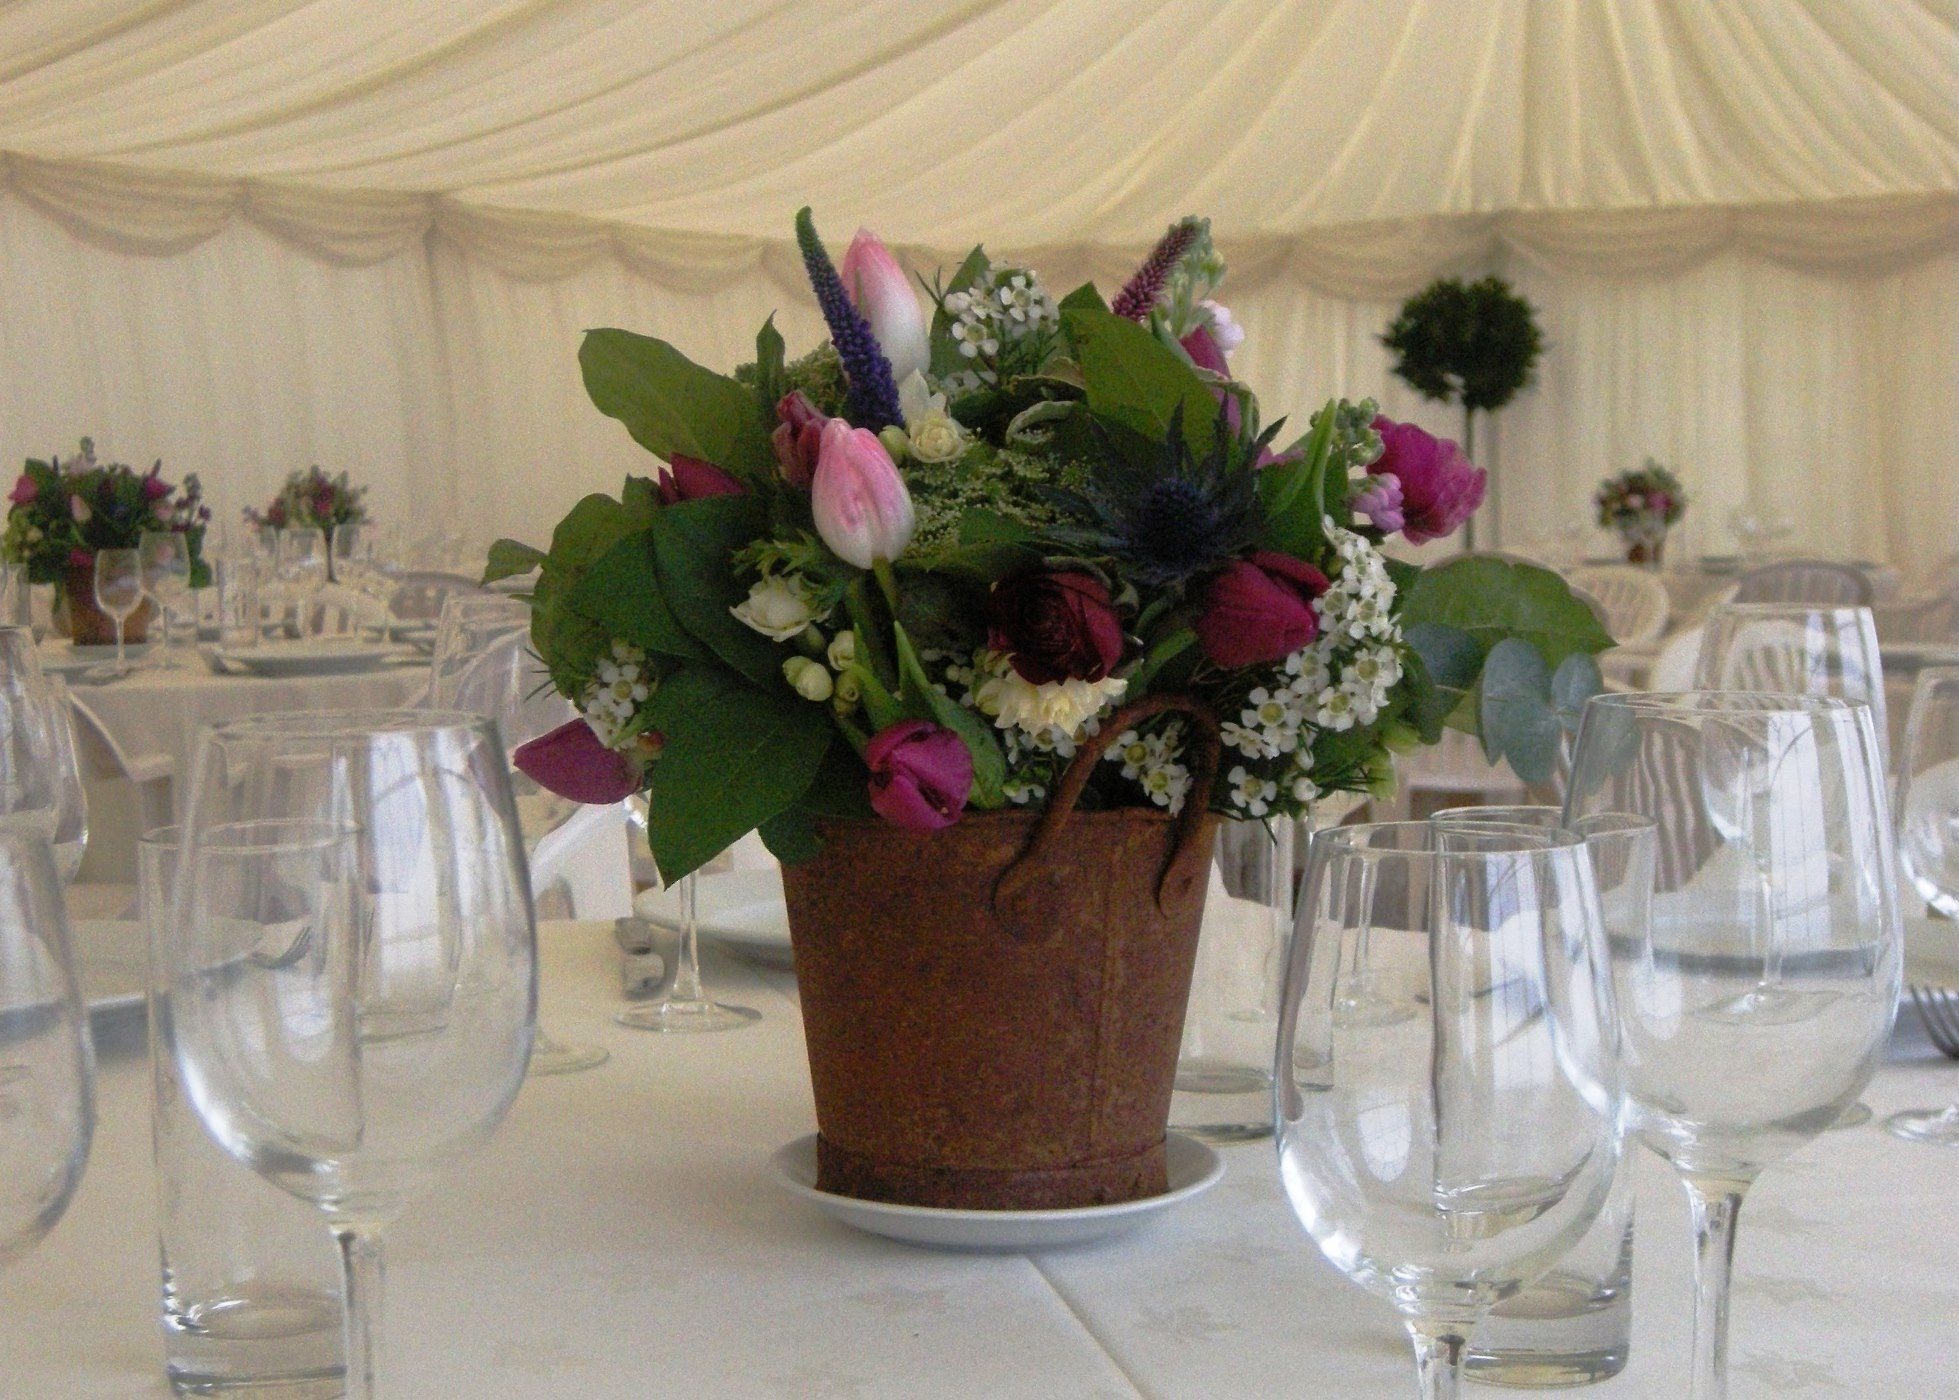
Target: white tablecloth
x=622, y=1237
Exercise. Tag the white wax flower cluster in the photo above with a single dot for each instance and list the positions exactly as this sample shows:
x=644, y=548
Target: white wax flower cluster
x=619, y=686
x=1151, y=762
x=1002, y=305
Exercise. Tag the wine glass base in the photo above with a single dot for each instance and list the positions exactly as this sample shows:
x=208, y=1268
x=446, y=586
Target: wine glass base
x=553, y=1058
x=684, y=1016
x=1936, y=1127
x=1855, y=1116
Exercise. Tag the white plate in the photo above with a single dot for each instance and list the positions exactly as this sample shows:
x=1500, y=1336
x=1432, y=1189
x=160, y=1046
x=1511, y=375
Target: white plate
x=324, y=658
x=1193, y=1168
x=742, y=909
x=64, y=658
x=112, y=962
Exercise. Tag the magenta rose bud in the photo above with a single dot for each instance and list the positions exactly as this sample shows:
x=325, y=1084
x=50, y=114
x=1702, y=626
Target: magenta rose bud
x=883, y=295
x=1058, y=626
x=25, y=490
x=921, y=774
x=798, y=438
x=1260, y=609
x=1379, y=500
x=1439, y=487
x=862, y=509
x=571, y=762
x=687, y=479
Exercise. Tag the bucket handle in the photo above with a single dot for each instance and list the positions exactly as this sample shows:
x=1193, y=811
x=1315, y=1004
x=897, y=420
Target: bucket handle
x=1016, y=887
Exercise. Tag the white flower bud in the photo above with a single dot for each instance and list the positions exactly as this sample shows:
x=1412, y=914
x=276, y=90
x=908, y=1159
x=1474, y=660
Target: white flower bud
x=808, y=677
x=843, y=649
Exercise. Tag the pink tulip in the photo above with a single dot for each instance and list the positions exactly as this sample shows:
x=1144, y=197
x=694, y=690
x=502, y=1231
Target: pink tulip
x=921, y=775
x=688, y=479
x=24, y=490
x=798, y=438
x=862, y=509
x=883, y=295
x=1260, y=609
x=571, y=762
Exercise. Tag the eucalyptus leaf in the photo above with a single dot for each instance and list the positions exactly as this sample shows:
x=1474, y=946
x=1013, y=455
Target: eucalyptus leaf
x=1491, y=599
x=1573, y=684
x=1518, y=723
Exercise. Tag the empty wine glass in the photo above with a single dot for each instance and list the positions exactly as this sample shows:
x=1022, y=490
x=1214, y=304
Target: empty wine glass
x=686, y=1005
x=1756, y=1006
x=40, y=776
x=47, y=1061
x=1445, y=1158
x=352, y=986
x=303, y=572
x=1795, y=649
x=119, y=592
x=165, y=556
x=1928, y=840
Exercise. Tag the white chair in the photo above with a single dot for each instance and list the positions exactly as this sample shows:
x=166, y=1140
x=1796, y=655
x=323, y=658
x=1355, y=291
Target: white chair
x=586, y=861
x=418, y=597
x=1820, y=581
x=116, y=823
x=1634, y=601
x=1673, y=668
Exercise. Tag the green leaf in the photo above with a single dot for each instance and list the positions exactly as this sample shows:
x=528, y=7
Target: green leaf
x=1293, y=494
x=1573, y=684
x=770, y=354
x=989, y=763
x=1084, y=298
x=735, y=757
x=1134, y=380
x=672, y=405
x=868, y=619
x=1428, y=705
x=622, y=593
x=1493, y=599
x=791, y=837
x=946, y=358
x=693, y=543
x=510, y=559
x=1517, y=720
x=991, y=527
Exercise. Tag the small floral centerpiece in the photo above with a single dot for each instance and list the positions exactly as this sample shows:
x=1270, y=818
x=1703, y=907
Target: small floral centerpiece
x=63, y=511
x=1640, y=506
x=981, y=610
x=312, y=500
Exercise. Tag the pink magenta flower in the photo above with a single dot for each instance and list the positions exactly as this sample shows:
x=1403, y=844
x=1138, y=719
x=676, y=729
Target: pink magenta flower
x=862, y=509
x=571, y=762
x=883, y=296
x=25, y=490
x=921, y=775
x=1439, y=487
x=1260, y=609
x=689, y=479
x=798, y=438
x=1380, y=501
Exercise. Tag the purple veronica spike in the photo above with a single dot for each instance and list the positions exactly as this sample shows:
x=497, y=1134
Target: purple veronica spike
x=1139, y=293
x=873, y=391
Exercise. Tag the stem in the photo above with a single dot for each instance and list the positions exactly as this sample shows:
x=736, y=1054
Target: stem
x=122, y=620
x=361, y=1277
x=1469, y=451
x=1715, y=1207
x=687, y=976
x=1438, y=1358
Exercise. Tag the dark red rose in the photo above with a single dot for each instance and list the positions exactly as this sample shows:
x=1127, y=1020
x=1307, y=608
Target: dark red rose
x=688, y=479
x=1260, y=609
x=798, y=438
x=1056, y=626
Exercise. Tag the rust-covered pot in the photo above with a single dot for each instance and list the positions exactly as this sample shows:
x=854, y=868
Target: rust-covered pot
x=993, y=1011
x=87, y=624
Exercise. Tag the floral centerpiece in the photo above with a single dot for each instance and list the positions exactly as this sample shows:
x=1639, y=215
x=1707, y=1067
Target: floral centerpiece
x=312, y=500
x=63, y=511
x=1640, y=506
x=981, y=614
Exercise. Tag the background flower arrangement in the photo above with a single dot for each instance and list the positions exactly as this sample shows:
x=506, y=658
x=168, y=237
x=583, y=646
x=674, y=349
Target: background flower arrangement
x=908, y=572
x=1640, y=506
x=63, y=511
x=312, y=500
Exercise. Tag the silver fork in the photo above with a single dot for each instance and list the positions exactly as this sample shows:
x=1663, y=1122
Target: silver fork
x=1938, y=1009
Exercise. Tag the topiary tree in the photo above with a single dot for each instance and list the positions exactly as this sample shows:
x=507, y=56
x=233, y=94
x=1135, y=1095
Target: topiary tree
x=1472, y=343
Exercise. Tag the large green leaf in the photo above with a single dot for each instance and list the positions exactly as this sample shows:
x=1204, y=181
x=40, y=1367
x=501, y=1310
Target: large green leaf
x=670, y=404
x=1292, y=494
x=621, y=592
x=693, y=543
x=1492, y=599
x=511, y=559
x=735, y=758
x=769, y=385
x=1135, y=380
x=1518, y=722
x=565, y=638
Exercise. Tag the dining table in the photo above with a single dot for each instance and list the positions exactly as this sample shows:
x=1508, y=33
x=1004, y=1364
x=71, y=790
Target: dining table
x=622, y=1236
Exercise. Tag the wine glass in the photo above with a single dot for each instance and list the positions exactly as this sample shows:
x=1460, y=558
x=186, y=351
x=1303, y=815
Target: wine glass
x=1928, y=841
x=303, y=571
x=1756, y=1006
x=350, y=551
x=352, y=987
x=686, y=1005
x=40, y=776
x=1445, y=1158
x=119, y=592
x=47, y=1061
x=165, y=556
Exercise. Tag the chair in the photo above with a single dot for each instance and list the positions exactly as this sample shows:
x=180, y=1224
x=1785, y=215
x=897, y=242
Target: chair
x=1928, y=618
x=586, y=860
x=1634, y=601
x=115, y=826
x=1673, y=668
x=418, y=597
x=1819, y=581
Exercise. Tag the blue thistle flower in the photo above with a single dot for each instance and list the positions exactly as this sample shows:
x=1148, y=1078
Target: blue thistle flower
x=873, y=401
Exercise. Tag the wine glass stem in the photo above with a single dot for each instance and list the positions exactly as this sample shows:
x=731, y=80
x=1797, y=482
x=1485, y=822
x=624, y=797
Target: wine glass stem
x=122, y=622
x=687, y=976
x=361, y=1276
x=1438, y=1358
x=1715, y=1205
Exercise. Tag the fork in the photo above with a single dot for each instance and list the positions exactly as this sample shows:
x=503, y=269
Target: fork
x=1938, y=1010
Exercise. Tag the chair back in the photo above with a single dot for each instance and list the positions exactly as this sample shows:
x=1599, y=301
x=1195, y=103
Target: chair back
x=1821, y=581
x=1633, y=600
x=418, y=597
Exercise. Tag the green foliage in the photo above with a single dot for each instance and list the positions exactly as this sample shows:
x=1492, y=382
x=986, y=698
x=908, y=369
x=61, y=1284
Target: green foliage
x=1294, y=492
x=694, y=545
x=769, y=381
x=671, y=405
x=1526, y=708
x=1134, y=380
x=1490, y=599
x=622, y=593
x=1473, y=343
x=922, y=701
x=819, y=377
x=511, y=559
x=568, y=641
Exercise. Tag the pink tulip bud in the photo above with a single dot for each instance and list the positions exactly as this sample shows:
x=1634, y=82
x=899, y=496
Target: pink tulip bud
x=571, y=762
x=862, y=509
x=687, y=479
x=883, y=295
x=921, y=775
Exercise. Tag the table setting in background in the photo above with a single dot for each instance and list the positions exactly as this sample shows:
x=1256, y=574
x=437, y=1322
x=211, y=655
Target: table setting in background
x=991, y=682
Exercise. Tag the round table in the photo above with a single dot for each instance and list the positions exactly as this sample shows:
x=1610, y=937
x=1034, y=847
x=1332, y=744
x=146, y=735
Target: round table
x=622, y=1237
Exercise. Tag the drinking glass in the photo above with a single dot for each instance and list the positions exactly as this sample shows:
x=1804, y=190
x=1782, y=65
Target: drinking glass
x=251, y=1288
x=40, y=774
x=119, y=592
x=239, y=620
x=165, y=556
x=47, y=1061
x=1795, y=649
x=1574, y=1325
x=303, y=572
x=686, y=1005
x=353, y=982
x=1445, y=1158
x=1756, y=1006
x=350, y=553
x=1928, y=840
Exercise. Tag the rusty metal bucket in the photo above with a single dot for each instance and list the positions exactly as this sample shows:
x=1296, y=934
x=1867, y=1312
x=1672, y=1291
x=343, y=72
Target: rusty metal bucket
x=993, y=1011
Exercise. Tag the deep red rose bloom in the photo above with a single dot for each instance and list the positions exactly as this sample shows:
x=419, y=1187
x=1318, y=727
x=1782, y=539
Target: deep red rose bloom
x=1260, y=609
x=688, y=479
x=798, y=438
x=921, y=775
x=1056, y=626
x=1439, y=487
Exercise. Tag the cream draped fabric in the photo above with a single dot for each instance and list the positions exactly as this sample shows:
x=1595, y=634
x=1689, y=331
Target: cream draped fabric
x=246, y=234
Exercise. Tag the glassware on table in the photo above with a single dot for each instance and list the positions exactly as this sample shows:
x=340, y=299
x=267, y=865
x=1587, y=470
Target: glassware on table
x=1757, y=1006
x=353, y=974
x=687, y=1007
x=251, y=1287
x=351, y=552
x=41, y=786
x=1574, y=1325
x=47, y=1060
x=303, y=573
x=1444, y=1158
x=165, y=556
x=1224, y=1066
x=16, y=596
x=240, y=622
x=119, y=593
x=1928, y=841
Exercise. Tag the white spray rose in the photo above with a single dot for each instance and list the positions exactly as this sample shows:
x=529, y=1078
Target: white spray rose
x=777, y=606
x=932, y=434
